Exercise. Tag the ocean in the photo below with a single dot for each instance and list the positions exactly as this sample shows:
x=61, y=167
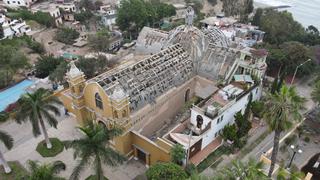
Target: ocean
x=307, y=12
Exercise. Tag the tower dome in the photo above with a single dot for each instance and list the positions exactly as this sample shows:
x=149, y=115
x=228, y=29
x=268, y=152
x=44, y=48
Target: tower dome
x=118, y=94
x=74, y=71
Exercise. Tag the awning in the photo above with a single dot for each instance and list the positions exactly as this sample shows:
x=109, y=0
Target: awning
x=204, y=92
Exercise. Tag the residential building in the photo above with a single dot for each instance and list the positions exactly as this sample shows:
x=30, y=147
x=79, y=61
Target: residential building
x=146, y=96
x=18, y=3
x=50, y=8
x=115, y=40
x=245, y=35
x=13, y=28
x=108, y=15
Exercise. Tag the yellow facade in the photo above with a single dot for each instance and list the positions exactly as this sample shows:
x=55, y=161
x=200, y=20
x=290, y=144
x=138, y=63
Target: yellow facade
x=81, y=100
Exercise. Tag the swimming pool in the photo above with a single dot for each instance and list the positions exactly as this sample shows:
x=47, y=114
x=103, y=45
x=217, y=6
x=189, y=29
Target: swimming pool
x=12, y=94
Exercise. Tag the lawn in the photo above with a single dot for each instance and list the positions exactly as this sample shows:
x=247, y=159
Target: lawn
x=18, y=171
x=213, y=157
x=57, y=147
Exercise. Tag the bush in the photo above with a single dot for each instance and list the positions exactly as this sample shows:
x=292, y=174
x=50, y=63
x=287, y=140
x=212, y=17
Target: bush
x=290, y=140
x=166, y=171
x=40, y=17
x=67, y=35
x=306, y=139
x=57, y=147
x=3, y=116
x=177, y=153
x=257, y=108
x=191, y=169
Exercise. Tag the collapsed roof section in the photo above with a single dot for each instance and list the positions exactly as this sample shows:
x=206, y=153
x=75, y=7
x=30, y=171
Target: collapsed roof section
x=149, y=78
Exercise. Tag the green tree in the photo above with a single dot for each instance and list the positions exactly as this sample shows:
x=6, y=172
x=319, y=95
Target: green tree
x=243, y=124
x=87, y=5
x=100, y=41
x=36, y=108
x=229, y=132
x=178, y=154
x=58, y=75
x=133, y=15
x=83, y=16
x=7, y=140
x=315, y=94
x=282, y=110
x=87, y=66
x=279, y=26
x=46, y=65
x=243, y=171
x=95, y=148
x=66, y=35
x=39, y=16
x=45, y=171
x=257, y=17
x=166, y=171
x=257, y=108
x=11, y=60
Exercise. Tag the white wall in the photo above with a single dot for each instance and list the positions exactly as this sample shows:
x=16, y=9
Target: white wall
x=228, y=117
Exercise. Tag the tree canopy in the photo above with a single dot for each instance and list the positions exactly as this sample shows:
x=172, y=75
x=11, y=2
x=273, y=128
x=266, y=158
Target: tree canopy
x=135, y=14
x=177, y=153
x=46, y=65
x=11, y=60
x=66, y=35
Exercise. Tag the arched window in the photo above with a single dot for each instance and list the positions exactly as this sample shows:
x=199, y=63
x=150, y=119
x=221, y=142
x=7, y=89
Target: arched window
x=124, y=113
x=99, y=103
x=199, y=121
x=115, y=113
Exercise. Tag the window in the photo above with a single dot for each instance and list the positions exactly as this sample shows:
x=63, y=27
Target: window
x=99, y=103
x=257, y=90
x=199, y=121
x=18, y=2
x=8, y=2
x=115, y=113
x=220, y=119
x=124, y=113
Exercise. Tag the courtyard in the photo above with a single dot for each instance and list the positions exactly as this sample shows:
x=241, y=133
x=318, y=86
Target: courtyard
x=25, y=149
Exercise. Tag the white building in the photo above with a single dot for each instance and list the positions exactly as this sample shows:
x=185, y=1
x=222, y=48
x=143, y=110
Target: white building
x=18, y=3
x=108, y=15
x=50, y=8
x=13, y=27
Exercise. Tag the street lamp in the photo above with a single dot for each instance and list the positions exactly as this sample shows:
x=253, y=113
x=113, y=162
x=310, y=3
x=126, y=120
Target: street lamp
x=295, y=72
x=295, y=150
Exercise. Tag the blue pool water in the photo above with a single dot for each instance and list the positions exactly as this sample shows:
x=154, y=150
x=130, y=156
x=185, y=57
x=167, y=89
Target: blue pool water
x=12, y=94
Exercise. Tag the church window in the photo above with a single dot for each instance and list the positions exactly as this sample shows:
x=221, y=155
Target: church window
x=98, y=99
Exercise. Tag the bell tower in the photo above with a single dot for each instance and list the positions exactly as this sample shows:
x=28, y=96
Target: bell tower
x=77, y=82
x=120, y=106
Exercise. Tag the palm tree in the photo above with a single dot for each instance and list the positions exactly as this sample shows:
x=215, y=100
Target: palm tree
x=45, y=171
x=37, y=107
x=283, y=174
x=7, y=140
x=282, y=110
x=94, y=148
x=315, y=94
x=243, y=171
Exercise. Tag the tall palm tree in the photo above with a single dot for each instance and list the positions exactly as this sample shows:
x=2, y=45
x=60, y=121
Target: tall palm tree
x=282, y=110
x=7, y=140
x=94, y=149
x=45, y=171
x=238, y=170
x=315, y=94
x=37, y=107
